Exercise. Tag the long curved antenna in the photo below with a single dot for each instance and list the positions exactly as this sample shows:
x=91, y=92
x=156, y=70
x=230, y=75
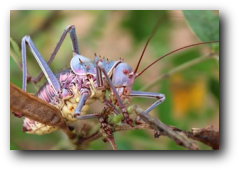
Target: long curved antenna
x=173, y=52
x=150, y=37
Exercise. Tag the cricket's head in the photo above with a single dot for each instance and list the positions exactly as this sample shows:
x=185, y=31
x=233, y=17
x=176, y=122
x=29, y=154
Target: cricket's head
x=123, y=78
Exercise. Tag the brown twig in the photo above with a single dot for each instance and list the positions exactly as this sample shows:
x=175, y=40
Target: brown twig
x=158, y=126
x=25, y=104
x=32, y=107
x=207, y=135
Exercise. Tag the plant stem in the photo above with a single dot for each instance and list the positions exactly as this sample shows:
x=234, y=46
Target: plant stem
x=15, y=58
x=158, y=126
x=178, y=69
x=208, y=135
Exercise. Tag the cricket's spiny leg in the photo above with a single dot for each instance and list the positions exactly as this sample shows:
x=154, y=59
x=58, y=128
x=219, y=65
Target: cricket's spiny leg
x=69, y=29
x=104, y=126
x=107, y=133
x=110, y=105
x=99, y=77
x=160, y=98
x=51, y=78
x=121, y=105
x=100, y=84
x=85, y=94
x=88, y=116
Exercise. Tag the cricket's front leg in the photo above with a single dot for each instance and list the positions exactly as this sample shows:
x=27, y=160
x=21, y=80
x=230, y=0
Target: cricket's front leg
x=100, y=69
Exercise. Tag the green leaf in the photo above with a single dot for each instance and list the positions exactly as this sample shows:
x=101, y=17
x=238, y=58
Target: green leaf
x=15, y=47
x=191, y=73
x=205, y=25
x=141, y=22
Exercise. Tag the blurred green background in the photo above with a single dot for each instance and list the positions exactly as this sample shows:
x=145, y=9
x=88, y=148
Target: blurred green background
x=192, y=95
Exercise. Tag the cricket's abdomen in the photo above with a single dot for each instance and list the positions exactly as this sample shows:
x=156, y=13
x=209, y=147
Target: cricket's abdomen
x=67, y=102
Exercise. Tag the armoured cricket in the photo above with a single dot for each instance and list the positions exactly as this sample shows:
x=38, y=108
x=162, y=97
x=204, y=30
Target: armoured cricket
x=74, y=89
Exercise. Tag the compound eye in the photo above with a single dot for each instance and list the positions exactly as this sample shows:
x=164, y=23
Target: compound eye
x=125, y=71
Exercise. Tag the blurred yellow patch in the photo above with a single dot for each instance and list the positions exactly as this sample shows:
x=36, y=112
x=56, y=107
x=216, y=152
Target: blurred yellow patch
x=187, y=96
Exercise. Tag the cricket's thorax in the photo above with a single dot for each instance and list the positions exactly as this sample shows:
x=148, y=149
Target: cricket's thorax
x=71, y=84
